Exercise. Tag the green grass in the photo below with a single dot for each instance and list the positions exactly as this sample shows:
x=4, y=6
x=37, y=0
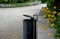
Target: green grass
x=11, y=5
x=22, y=4
x=16, y=5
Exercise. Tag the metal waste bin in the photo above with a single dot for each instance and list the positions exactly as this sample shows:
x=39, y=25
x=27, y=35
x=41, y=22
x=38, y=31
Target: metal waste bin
x=29, y=28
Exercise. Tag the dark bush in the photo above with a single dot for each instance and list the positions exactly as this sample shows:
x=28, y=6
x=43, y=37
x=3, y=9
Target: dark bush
x=16, y=1
x=20, y=1
x=43, y=1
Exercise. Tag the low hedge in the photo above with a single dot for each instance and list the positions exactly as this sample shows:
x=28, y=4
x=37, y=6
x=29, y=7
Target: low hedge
x=43, y=1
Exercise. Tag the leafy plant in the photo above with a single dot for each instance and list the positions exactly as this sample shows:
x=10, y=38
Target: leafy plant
x=13, y=1
x=52, y=12
x=43, y=1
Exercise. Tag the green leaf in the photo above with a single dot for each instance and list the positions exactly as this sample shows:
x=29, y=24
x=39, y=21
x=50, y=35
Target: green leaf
x=5, y=0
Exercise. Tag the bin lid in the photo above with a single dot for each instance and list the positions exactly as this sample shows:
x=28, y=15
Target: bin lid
x=27, y=20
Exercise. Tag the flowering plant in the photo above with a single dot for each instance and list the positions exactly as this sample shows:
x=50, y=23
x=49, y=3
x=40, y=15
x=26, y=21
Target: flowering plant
x=52, y=12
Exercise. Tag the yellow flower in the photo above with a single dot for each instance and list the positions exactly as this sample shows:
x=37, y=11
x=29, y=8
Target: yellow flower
x=48, y=19
x=48, y=11
x=53, y=16
x=44, y=28
x=54, y=12
x=49, y=15
x=54, y=7
x=49, y=34
x=44, y=16
x=47, y=8
x=59, y=14
x=44, y=10
x=52, y=24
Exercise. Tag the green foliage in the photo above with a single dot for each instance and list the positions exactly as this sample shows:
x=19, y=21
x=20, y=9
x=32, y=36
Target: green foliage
x=43, y=1
x=13, y=1
x=53, y=5
x=16, y=1
x=0, y=1
x=5, y=0
x=20, y=1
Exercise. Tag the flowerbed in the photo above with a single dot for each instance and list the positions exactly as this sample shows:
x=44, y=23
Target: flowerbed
x=52, y=12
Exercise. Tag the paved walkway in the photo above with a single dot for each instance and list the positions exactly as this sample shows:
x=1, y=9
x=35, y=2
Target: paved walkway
x=11, y=22
x=42, y=33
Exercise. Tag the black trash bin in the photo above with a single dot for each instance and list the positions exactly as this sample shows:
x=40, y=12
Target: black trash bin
x=29, y=28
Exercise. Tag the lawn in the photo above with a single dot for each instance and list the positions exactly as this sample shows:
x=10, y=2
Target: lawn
x=15, y=3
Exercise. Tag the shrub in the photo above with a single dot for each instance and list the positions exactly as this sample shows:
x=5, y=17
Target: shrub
x=43, y=1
